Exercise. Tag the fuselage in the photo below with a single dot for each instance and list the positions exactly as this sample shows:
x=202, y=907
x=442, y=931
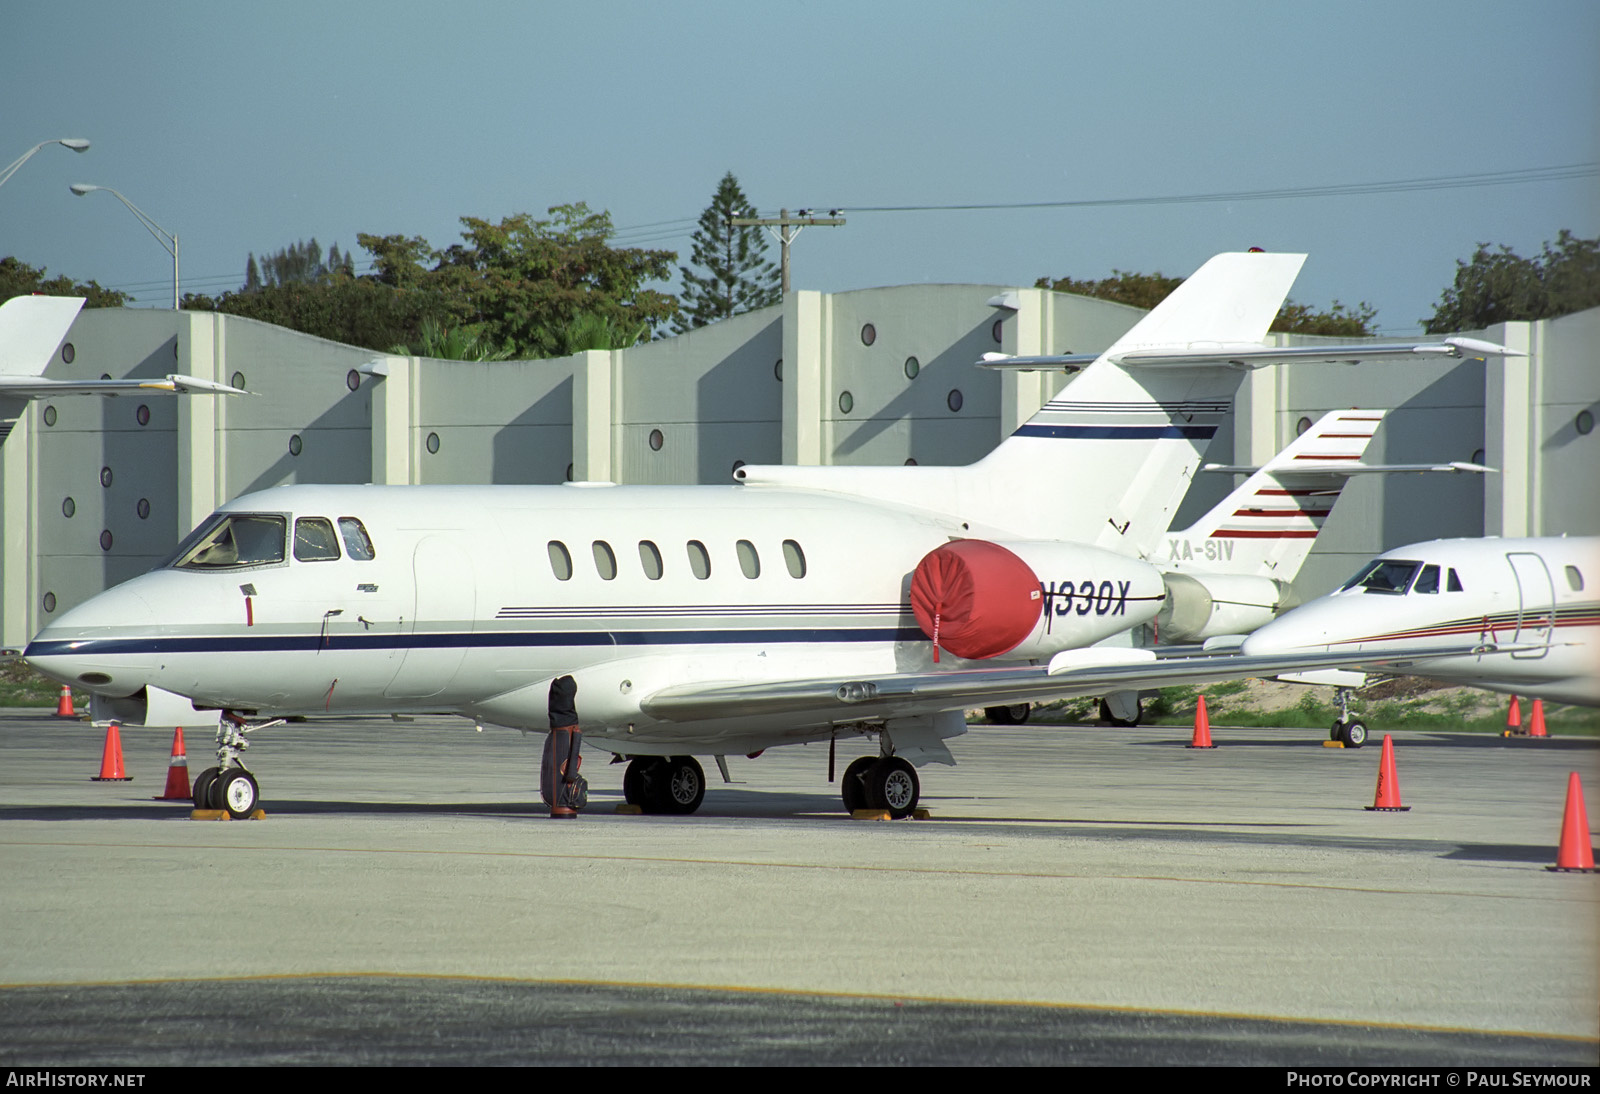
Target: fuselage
x=1530, y=607
x=308, y=600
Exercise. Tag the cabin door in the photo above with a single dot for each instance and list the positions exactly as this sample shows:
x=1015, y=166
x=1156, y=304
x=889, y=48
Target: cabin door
x=441, y=620
x=1536, y=599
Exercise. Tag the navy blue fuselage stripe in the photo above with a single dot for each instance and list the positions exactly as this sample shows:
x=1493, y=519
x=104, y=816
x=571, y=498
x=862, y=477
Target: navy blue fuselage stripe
x=100, y=647
x=1119, y=432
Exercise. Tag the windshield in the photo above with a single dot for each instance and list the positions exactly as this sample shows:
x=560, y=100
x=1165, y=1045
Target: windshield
x=1385, y=575
x=232, y=540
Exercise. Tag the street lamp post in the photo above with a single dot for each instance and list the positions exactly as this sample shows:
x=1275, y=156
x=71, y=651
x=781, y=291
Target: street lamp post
x=168, y=240
x=77, y=144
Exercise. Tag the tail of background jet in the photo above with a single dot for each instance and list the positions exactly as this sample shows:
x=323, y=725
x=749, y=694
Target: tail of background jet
x=31, y=327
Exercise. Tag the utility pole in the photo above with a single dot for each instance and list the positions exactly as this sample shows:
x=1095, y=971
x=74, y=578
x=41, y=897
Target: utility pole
x=789, y=227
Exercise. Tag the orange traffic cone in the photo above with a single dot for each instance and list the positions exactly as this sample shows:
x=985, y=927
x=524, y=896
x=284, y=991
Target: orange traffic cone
x=1202, y=727
x=177, y=772
x=1514, y=719
x=1536, y=723
x=1577, y=853
x=1387, y=798
x=111, y=759
x=64, y=704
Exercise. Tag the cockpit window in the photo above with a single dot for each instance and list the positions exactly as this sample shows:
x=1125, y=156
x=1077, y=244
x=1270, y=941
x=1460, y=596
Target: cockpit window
x=357, y=544
x=1387, y=575
x=1427, y=580
x=314, y=540
x=1455, y=582
x=234, y=540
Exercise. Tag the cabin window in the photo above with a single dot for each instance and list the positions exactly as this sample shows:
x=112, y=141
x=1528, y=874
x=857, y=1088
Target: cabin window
x=560, y=560
x=357, y=544
x=749, y=560
x=1385, y=575
x=699, y=560
x=314, y=540
x=1427, y=581
x=234, y=540
x=605, y=562
x=1454, y=584
x=650, y=560
x=794, y=558
x=1575, y=579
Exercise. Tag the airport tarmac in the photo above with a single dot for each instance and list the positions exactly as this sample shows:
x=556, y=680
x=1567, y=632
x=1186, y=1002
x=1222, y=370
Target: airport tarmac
x=1079, y=895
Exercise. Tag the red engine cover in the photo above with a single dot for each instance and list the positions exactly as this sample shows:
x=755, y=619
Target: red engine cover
x=975, y=598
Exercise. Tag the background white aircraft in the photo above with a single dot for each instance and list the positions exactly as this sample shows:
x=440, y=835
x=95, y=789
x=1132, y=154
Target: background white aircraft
x=31, y=328
x=804, y=604
x=1529, y=608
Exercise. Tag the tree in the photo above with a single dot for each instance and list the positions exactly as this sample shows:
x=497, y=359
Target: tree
x=298, y=262
x=452, y=344
x=1500, y=286
x=1148, y=290
x=738, y=277
x=17, y=278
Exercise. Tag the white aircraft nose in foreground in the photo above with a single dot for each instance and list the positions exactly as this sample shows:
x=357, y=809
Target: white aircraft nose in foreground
x=804, y=604
x=1529, y=608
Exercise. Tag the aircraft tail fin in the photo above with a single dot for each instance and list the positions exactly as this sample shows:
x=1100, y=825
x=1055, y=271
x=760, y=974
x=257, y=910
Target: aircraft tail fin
x=1268, y=525
x=31, y=327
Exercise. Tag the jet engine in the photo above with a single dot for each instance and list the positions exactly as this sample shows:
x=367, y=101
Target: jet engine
x=1201, y=606
x=978, y=599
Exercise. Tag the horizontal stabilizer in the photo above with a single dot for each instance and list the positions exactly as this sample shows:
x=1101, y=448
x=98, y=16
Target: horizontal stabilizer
x=1330, y=467
x=1253, y=355
x=31, y=327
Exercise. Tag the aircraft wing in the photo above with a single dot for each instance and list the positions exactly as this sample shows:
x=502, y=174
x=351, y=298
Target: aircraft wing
x=36, y=387
x=1075, y=673
x=1256, y=355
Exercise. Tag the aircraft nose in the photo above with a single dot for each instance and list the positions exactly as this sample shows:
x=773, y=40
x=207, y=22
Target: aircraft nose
x=101, y=645
x=1295, y=631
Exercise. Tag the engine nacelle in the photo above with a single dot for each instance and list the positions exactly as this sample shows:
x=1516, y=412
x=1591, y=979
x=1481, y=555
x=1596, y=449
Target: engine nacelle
x=1028, y=599
x=1201, y=606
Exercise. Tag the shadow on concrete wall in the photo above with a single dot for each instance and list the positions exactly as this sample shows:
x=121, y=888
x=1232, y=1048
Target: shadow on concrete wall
x=525, y=449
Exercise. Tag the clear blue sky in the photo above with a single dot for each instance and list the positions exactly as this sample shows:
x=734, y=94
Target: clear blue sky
x=245, y=127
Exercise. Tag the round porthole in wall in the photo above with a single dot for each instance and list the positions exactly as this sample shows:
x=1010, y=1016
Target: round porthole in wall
x=49, y=602
x=869, y=334
x=569, y=472
x=143, y=508
x=142, y=415
x=954, y=400
x=911, y=461
x=1478, y=457
x=49, y=415
x=998, y=331
x=68, y=353
x=847, y=402
x=352, y=379
x=657, y=439
x=105, y=477
x=238, y=380
x=913, y=366
x=736, y=465
x=68, y=507
x=295, y=445
x=777, y=370
x=1584, y=423
x=105, y=539
x=432, y=443
x=1301, y=426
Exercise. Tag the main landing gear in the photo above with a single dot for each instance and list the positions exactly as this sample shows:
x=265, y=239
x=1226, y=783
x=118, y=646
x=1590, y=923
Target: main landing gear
x=1347, y=729
x=664, y=784
x=228, y=785
x=1014, y=715
x=880, y=782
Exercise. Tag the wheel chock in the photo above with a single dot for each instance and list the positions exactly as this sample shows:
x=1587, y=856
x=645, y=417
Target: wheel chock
x=921, y=813
x=223, y=814
x=626, y=810
x=870, y=814
x=1332, y=744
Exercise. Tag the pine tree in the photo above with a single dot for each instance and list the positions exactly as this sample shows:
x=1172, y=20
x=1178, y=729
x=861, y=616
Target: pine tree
x=737, y=277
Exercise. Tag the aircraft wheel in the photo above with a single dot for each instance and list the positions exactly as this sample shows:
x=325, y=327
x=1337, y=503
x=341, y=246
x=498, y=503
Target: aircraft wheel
x=1337, y=732
x=1013, y=715
x=1107, y=716
x=853, y=787
x=236, y=791
x=635, y=777
x=679, y=785
x=1355, y=735
x=892, y=784
x=203, y=783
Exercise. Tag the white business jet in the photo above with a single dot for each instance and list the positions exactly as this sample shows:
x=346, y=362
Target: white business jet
x=803, y=604
x=1529, y=608
x=31, y=328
